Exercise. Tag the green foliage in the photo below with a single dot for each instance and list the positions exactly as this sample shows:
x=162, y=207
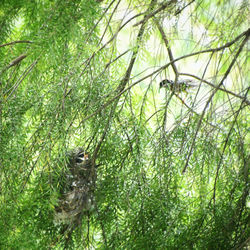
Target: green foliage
x=174, y=168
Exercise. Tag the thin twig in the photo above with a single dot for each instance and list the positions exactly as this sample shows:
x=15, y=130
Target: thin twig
x=211, y=97
x=27, y=71
x=164, y=124
x=193, y=111
x=147, y=17
x=244, y=99
x=170, y=54
x=15, y=42
x=164, y=67
x=225, y=145
x=122, y=85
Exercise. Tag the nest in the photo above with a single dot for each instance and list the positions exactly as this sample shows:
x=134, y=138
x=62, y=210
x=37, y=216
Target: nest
x=76, y=197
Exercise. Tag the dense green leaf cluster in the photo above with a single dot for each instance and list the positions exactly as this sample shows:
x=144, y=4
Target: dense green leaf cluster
x=173, y=170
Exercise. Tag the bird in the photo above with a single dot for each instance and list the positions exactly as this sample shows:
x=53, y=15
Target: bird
x=178, y=87
x=76, y=194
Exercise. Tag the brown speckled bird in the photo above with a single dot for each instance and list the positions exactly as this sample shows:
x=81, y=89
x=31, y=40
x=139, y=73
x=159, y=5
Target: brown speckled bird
x=179, y=86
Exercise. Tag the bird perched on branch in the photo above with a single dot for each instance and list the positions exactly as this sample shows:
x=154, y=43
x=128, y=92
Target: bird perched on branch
x=77, y=191
x=178, y=87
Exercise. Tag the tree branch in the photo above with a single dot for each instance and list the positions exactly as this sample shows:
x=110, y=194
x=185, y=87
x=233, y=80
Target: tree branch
x=162, y=68
x=123, y=83
x=225, y=145
x=15, y=42
x=212, y=95
x=163, y=6
x=165, y=40
x=222, y=89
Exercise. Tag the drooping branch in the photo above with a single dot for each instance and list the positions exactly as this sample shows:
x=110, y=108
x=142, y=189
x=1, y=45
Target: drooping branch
x=14, y=62
x=244, y=99
x=15, y=42
x=22, y=77
x=124, y=81
x=150, y=15
x=17, y=60
x=105, y=105
x=212, y=95
x=225, y=145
